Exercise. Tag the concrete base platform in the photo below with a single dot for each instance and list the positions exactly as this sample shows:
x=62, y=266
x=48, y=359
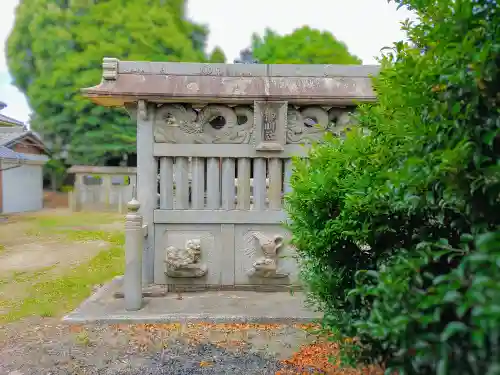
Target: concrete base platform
x=209, y=306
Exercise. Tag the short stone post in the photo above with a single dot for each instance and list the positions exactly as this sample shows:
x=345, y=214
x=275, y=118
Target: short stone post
x=134, y=246
x=77, y=193
x=71, y=201
x=120, y=201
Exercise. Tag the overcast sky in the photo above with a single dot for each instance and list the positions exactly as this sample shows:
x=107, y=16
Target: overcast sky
x=365, y=26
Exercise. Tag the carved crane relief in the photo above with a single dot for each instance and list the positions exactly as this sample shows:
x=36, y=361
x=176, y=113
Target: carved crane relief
x=267, y=265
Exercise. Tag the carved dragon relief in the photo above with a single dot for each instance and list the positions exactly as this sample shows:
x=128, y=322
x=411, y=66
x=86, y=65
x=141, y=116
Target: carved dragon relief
x=182, y=124
x=309, y=124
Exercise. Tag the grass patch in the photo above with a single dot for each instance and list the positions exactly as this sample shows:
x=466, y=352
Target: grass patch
x=76, y=220
x=56, y=296
x=25, y=276
x=48, y=294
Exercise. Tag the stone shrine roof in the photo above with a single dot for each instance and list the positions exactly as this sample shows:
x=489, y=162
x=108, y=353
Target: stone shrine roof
x=129, y=81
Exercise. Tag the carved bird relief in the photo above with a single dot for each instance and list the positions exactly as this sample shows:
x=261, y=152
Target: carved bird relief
x=267, y=265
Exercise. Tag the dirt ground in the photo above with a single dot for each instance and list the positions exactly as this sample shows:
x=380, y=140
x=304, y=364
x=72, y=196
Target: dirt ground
x=27, y=247
x=36, y=248
x=50, y=347
x=50, y=261
x=55, y=199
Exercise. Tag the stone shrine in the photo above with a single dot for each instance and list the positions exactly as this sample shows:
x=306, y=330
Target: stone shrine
x=215, y=142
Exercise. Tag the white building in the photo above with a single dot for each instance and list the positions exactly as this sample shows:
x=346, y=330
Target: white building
x=22, y=156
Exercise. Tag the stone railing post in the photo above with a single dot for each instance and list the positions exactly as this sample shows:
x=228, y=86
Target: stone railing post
x=134, y=246
x=77, y=193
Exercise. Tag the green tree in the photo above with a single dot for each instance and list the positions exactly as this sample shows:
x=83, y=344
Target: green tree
x=217, y=56
x=302, y=46
x=56, y=48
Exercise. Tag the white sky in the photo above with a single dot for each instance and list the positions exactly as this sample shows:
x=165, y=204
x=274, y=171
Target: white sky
x=365, y=26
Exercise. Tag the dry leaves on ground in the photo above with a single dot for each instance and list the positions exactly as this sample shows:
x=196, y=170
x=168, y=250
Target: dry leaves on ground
x=318, y=356
x=313, y=356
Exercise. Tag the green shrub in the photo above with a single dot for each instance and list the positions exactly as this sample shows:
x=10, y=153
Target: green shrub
x=422, y=193
x=67, y=188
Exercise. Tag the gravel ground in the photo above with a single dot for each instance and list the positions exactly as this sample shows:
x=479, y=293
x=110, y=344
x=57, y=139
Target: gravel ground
x=45, y=346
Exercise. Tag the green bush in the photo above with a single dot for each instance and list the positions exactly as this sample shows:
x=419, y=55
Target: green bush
x=399, y=231
x=67, y=188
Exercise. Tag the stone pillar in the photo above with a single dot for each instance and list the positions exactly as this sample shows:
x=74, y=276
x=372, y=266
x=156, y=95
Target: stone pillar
x=71, y=201
x=147, y=171
x=134, y=245
x=106, y=190
x=120, y=200
x=78, y=192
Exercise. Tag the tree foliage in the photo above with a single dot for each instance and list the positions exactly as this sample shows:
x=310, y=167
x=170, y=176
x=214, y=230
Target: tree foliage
x=217, y=56
x=399, y=231
x=303, y=46
x=56, y=48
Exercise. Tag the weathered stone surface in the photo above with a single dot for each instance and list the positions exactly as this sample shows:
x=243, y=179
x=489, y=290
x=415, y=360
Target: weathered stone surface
x=267, y=264
x=110, y=188
x=208, y=265
x=126, y=82
x=216, y=306
x=192, y=69
x=182, y=124
x=254, y=244
x=185, y=262
x=270, y=122
x=134, y=244
x=208, y=126
x=317, y=70
x=308, y=124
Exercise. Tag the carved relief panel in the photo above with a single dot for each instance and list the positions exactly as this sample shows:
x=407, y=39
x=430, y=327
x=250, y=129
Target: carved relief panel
x=267, y=125
x=187, y=254
x=184, y=124
x=270, y=122
x=266, y=262
x=309, y=124
x=185, y=262
x=263, y=256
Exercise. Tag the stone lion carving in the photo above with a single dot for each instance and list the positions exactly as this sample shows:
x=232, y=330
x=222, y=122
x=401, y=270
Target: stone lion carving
x=176, y=123
x=185, y=262
x=267, y=265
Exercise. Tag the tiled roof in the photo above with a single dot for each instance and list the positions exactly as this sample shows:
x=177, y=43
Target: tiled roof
x=10, y=120
x=9, y=137
x=7, y=153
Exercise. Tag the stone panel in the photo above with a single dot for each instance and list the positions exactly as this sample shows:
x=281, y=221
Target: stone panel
x=248, y=251
x=191, y=69
x=183, y=124
x=270, y=123
x=177, y=236
x=191, y=86
x=315, y=70
x=310, y=87
x=126, y=82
